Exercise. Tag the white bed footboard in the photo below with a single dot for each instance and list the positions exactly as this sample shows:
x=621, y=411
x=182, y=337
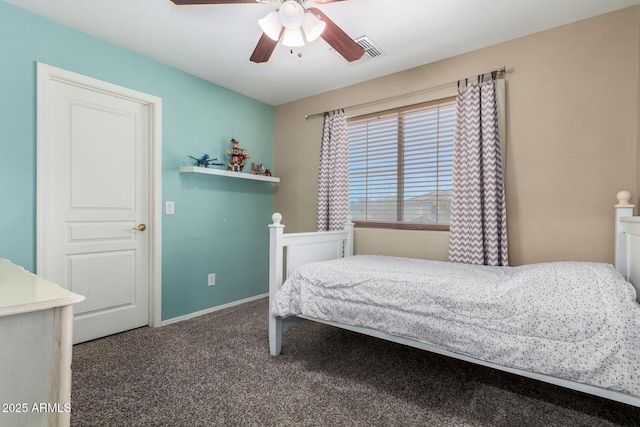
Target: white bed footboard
x=627, y=256
x=301, y=248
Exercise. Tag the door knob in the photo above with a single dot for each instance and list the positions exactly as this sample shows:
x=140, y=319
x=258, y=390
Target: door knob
x=140, y=227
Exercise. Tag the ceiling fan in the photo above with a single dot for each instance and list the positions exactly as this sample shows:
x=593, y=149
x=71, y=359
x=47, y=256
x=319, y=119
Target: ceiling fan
x=293, y=23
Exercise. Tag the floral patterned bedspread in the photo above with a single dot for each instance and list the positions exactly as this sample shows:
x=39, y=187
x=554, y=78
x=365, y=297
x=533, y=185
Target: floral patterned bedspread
x=572, y=320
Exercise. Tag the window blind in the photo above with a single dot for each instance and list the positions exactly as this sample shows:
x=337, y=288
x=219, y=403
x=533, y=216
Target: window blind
x=400, y=166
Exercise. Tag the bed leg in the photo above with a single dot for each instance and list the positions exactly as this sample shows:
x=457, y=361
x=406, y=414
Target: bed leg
x=276, y=263
x=275, y=335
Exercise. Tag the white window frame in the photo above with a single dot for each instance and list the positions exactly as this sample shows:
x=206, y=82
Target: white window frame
x=369, y=144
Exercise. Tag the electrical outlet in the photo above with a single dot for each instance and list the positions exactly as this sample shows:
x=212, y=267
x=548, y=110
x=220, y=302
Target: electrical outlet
x=212, y=279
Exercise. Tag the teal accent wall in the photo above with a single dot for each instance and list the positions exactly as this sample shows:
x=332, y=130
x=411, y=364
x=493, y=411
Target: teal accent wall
x=220, y=224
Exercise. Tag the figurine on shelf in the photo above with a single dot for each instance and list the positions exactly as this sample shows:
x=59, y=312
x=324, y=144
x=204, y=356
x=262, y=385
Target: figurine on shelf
x=259, y=169
x=236, y=157
x=205, y=161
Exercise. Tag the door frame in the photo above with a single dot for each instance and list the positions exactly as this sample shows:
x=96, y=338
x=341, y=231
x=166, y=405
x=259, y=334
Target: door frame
x=47, y=73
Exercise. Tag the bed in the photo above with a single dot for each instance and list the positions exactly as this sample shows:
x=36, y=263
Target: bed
x=573, y=324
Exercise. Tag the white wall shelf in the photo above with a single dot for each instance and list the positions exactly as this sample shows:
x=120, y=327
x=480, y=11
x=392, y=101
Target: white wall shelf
x=220, y=172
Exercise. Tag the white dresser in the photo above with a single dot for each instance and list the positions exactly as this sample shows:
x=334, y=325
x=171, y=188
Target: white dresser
x=36, y=326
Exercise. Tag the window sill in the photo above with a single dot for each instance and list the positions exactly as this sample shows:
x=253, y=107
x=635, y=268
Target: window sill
x=401, y=226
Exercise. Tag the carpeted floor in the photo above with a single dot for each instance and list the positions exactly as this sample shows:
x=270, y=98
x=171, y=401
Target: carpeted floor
x=215, y=370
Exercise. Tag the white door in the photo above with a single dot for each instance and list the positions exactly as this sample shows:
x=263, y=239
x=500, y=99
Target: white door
x=96, y=205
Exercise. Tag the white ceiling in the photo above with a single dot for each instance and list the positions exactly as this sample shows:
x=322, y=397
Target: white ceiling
x=214, y=42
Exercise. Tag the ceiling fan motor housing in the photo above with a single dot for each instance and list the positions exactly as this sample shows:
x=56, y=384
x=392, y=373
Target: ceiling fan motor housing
x=291, y=15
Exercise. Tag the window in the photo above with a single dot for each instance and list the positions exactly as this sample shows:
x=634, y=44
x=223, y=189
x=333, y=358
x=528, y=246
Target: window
x=400, y=166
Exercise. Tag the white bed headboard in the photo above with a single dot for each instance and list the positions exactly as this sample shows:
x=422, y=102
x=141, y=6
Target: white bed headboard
x=627, y=249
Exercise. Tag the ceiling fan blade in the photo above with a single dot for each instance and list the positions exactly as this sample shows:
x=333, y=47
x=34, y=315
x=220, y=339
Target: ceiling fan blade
x=265, y=47
x=187, y=2
x=338, y=39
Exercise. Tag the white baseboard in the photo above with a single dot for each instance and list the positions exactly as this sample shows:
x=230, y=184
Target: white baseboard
x=211, y=310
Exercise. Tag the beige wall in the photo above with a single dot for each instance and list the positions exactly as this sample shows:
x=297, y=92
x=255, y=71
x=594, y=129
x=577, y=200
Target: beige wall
x=572, y=140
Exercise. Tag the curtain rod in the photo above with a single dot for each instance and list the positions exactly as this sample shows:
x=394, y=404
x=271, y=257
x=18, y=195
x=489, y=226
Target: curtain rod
x=405, y=95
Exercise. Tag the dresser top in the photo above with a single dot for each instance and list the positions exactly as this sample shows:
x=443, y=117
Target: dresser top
x=22, y=291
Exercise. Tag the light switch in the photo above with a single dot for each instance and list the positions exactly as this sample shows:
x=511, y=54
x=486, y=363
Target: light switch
x=169, y=208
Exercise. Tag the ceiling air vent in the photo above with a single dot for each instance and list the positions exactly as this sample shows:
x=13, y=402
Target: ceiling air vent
x=370, y=49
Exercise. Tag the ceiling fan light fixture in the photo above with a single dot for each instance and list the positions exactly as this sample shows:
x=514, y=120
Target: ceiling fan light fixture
x=291, y=15
x=312, y=26
x=293, y=38
x=270, y=25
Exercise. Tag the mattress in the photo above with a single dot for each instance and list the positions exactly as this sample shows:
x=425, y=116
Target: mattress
x=572, y=320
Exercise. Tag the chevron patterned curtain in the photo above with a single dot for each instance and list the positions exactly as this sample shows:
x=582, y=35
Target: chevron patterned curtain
x=478, y=226
x=333, y=173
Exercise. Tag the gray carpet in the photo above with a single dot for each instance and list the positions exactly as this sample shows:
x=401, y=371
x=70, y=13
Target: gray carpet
x=215, y=370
